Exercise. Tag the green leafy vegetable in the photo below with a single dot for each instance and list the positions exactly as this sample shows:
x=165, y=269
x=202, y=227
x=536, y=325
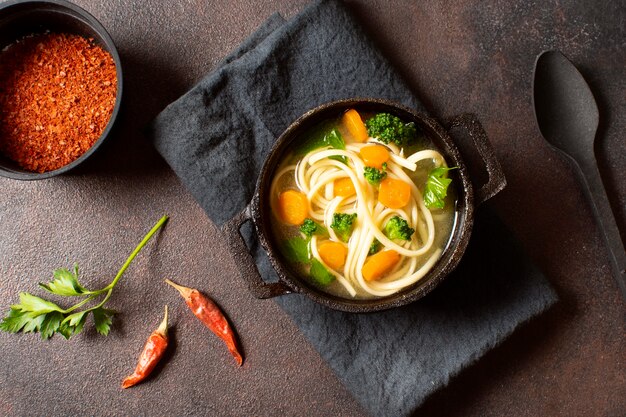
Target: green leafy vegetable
x=35, y=305
x=343, y=224
x=16, y=320
x=320, y=274
x=390, y=129
x=296, y=250
x=374, y=247
x=374, y=176
x=322, y=136
x=102, y=319
x=64, y=283
x=437, y=187
x=310, y=228
x=34, y=314
x=335, y=140
x=398, y=228
x=51, y=324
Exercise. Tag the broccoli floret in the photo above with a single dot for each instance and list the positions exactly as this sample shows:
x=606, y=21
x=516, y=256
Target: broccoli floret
x=398, y=228
x=310, y=228
x=374, y=176
x=374, y=247
x=390, y=129
x=343, y=224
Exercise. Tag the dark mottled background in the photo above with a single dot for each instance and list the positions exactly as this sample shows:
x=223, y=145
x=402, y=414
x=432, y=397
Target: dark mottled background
x=459, y=56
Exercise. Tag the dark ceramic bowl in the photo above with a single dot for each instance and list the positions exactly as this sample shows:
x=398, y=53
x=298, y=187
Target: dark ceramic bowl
x=19, y=18
x=290, y=282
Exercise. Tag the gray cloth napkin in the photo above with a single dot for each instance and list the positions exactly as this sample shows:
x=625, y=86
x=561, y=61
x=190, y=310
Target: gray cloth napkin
x=216, y=138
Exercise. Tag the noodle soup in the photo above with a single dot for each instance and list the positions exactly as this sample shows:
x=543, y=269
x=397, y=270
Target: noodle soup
x=362, y=205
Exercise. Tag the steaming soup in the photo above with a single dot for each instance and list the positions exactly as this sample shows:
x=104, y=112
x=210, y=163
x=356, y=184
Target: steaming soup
x=362, y=205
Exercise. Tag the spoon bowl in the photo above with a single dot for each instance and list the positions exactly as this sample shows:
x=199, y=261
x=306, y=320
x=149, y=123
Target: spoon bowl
x=565, y=108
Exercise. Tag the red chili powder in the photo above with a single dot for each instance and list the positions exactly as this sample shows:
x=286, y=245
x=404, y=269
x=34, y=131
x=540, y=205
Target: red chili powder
x=57, y=93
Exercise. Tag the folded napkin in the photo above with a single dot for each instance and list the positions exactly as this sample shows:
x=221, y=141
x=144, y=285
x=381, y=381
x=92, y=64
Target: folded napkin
x=216, y=138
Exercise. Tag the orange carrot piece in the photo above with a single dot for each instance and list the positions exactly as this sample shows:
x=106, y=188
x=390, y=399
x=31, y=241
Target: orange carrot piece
x=343, y=187
x=394, y=193
x=379, y=264
x=333, y=254
x=353, y=122
x=375, y=156
x=293, y=207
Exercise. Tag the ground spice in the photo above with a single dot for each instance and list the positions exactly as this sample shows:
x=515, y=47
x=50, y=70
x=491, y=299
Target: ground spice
x=57, y=93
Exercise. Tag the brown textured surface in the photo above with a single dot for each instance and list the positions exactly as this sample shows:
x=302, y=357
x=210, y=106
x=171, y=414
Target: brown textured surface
x=460, y=56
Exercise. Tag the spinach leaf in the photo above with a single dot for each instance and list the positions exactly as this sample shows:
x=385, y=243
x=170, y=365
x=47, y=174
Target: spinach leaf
x=296, y=250
x=320, y=274
x=321, y=136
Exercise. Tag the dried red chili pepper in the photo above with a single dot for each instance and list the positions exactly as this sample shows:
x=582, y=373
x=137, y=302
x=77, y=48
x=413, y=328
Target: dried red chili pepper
x=210, y=314
x=152, y=353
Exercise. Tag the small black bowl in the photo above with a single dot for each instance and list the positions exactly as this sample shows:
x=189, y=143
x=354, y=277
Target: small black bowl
x=19, y=18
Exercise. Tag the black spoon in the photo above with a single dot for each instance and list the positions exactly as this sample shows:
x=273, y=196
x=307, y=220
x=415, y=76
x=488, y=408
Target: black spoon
x=567, y=116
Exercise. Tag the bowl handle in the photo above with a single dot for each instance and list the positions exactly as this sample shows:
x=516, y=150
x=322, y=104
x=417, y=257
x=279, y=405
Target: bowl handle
x=245, y=262
x=497, y=180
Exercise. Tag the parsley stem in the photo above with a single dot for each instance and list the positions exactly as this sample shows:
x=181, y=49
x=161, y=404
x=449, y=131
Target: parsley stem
x=80, y=304
x=109, y=288
x=104, y=300
x=134, y=253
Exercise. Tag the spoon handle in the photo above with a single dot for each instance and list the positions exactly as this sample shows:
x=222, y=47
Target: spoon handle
x=604, y=215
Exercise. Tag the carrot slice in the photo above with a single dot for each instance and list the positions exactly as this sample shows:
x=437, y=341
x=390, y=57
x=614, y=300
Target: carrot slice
x=293, y=207
x=394, y=193
x=353, y=122
x=344, y=188
x=375, y=156
x=378, y=265
x=333, y=254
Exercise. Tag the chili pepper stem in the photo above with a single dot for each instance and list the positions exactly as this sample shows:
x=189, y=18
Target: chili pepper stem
x=184, y=291
x=162, y=330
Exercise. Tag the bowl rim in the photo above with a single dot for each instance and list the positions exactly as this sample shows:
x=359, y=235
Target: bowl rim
x=108, y=44
x=452, y=254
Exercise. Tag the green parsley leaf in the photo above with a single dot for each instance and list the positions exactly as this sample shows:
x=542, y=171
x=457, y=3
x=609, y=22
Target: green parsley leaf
x=320, y=274
x=66, y=330
x=103, y=320
x=14, y=321
x=64, y=283
x=437, y=187
x=34, y=323
x=73, y=319
x=73, y=324
x=51, y=324
x=35, y=305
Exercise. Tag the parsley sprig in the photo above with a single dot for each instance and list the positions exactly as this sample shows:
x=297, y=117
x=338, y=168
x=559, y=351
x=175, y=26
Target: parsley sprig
x=35, y=314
